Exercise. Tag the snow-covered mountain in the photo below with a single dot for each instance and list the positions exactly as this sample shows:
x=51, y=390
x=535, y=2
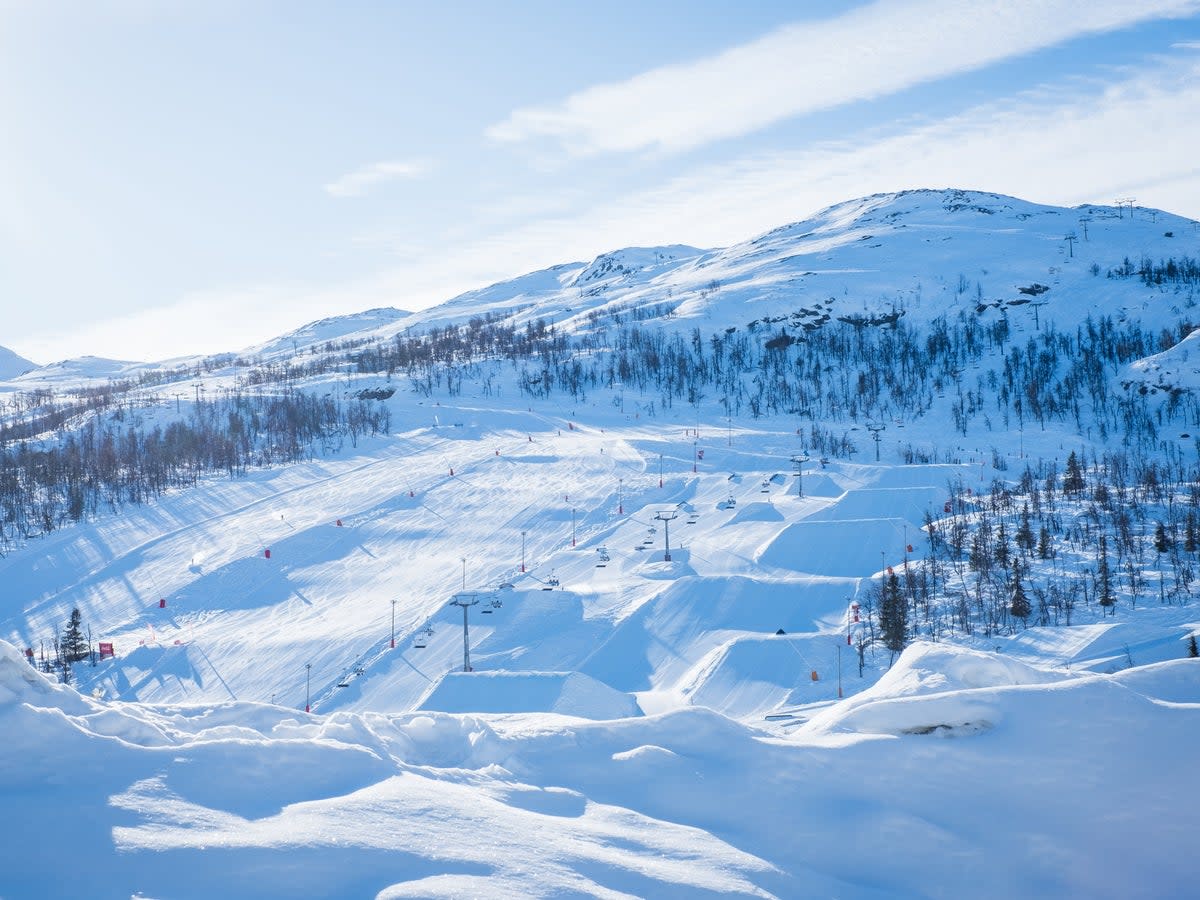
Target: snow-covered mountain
x=12, y=365
x=520, y=619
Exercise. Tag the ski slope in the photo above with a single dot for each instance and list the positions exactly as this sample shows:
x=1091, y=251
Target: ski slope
x=661, y=699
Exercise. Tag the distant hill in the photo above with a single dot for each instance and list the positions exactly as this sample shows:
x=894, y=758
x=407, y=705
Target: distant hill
x=12, y=365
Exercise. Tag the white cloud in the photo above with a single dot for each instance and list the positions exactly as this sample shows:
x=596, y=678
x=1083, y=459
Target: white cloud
x=868, y=52
x=1066, y=144
x=358, y=182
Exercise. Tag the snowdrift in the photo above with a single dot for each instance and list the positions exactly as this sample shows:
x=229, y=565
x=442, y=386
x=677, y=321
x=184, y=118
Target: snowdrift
x=566, y=693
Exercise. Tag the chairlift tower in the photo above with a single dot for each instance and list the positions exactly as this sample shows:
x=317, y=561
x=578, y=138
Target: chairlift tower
x=798, y=460
x=307, y=682
x=875, y=428
x=465, y=600
x=666, y=516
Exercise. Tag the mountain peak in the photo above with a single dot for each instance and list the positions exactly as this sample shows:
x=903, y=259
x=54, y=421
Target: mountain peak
x=12, y=365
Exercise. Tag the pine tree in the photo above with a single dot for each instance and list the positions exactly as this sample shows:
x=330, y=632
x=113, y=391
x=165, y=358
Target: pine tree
x=1024, y=535
x=1190, y=542
x=1045, y=549
x=1193, y=650
x=1073, y=482
x=1019, y=606
x=74, y=643
x=1104, y=578
x=1162, y=543
x=1001, y=549
x=893, y=615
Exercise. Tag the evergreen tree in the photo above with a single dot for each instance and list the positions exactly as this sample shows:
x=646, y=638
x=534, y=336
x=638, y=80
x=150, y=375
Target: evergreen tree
x=1193, y=650
x=74, y=642
x=1190, y=541
x=1024, y=536
x=1019, y=605
x=1073, y=483
x=1045, y=549
x=893, y=615
x=1162, y=543
x=1001, y=551
x=1104, y=578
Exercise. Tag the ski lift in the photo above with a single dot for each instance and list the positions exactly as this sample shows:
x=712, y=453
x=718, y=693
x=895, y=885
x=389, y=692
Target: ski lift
x=603, y=551
x=344, y=681
x=492, y=606
x=730, y=503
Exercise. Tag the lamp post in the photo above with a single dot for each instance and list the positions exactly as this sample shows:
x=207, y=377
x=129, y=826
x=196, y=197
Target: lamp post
x=464, y=562
x=572, y=526
x=307, y=682
x=393, y=623
x=660, y=470
x=621, y=496
x=666, y=518
x=522, y=551
x=693, y=457
x=839, y=646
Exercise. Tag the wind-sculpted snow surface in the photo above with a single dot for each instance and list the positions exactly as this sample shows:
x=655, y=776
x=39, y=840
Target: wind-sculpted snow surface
x=1060, y=777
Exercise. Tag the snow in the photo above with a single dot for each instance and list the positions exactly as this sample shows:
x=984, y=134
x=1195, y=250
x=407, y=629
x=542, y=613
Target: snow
x=633, y=725
x=12, y=365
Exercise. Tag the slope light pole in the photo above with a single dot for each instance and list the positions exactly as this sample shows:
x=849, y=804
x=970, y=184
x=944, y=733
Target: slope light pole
x=307, y=682
x=693, y=457
x=393, y=623
x=464, y=562
x=466, y=601
x=666, y=518
x=522, y=551
x=621, y=496
x=572, y=526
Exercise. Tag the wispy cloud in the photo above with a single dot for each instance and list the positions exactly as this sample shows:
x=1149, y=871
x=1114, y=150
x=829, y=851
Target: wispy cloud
x=1085, y=141
x=362, y=180
x=866, y=53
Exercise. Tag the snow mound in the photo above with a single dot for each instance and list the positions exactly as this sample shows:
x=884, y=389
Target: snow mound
x=566, y=693
x=21, y=683
x=848, y=548
x=933, y=689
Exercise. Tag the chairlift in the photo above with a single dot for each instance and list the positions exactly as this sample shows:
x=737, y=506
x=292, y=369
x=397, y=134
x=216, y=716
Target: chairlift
x=419, y=644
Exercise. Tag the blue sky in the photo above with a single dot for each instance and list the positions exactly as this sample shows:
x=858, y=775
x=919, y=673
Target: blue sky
x=186, y=177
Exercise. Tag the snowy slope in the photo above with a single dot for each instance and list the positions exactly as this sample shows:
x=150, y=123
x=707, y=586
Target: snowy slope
x=663, y=699
x=12, y=365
